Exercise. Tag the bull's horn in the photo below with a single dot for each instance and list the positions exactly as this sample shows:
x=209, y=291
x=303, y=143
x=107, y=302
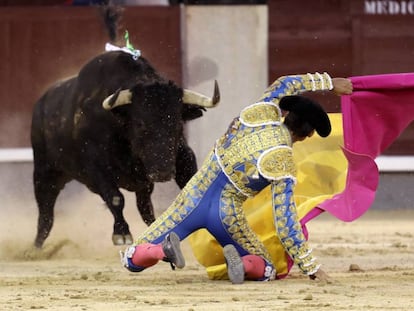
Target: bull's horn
x=119, y=98
x=194, y=98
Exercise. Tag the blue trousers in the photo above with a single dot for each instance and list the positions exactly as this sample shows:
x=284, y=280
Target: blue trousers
x=209, y=201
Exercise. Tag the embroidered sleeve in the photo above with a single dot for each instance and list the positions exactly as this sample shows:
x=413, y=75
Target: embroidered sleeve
x=277, y=163
x=296, y=84
x=261, y=113
x=288, y=227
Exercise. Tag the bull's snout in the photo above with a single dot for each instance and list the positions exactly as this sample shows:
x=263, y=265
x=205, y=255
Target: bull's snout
x=162, y=176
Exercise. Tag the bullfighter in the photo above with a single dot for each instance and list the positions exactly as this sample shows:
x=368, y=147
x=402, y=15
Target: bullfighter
x=255, y=151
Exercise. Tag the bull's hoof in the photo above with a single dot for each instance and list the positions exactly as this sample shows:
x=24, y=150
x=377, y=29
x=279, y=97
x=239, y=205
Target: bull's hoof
x=119, y=239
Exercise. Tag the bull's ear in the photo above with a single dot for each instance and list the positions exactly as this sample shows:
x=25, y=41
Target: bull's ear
x=191, y=112
x=119, y=98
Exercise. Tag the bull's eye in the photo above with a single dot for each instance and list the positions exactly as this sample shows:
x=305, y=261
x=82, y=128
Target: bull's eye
x=168, y=120
x=140, y=125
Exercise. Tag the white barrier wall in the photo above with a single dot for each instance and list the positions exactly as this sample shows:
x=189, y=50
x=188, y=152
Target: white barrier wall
x=227, y=43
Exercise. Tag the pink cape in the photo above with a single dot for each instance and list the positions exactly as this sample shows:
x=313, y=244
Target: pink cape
x=379, y=109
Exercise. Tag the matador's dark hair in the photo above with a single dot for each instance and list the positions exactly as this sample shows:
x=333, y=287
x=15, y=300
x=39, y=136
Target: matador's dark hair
x=305, y=115
x=297, y=125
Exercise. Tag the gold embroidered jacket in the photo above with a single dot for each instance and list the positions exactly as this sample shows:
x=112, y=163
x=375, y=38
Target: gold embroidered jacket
x=257, y=151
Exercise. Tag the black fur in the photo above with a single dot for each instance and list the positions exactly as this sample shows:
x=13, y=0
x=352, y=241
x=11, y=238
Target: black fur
x=130, y=146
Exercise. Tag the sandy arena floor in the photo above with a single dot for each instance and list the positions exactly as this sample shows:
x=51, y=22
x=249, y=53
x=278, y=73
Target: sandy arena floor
x=371, y=262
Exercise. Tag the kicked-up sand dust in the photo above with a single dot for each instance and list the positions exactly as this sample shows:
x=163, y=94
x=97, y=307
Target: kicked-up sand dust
x=370, y=261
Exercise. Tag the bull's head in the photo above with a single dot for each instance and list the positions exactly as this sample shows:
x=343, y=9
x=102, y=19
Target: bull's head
x=124, y=97
x=154, y=122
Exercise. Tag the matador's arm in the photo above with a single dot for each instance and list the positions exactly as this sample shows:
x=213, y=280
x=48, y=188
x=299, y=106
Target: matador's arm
x=277, y=166
x=289, y=229
x=296, y=84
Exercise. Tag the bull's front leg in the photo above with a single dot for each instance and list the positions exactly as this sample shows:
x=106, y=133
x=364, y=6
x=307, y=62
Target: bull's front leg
x=116, y=202
x=144, y=203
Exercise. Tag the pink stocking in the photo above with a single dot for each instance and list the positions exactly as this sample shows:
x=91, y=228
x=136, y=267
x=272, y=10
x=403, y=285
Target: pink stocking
x=147, y=254
x=254, y=267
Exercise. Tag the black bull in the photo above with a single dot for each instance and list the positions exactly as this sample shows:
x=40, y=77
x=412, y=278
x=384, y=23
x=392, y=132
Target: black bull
x=118, y=124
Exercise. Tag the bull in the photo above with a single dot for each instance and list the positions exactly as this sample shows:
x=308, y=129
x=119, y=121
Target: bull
x=117, y=124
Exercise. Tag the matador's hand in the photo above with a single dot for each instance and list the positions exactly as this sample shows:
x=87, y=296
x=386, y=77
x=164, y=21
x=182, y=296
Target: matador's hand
x=342, y=86
x=320, y=275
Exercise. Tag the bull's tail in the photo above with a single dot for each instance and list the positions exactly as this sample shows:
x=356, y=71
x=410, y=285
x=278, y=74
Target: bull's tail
x=111, y=15
x=36, y=134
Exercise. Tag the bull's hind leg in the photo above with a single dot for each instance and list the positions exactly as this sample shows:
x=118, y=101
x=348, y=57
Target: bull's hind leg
x=144, y=203
x=47, y=186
